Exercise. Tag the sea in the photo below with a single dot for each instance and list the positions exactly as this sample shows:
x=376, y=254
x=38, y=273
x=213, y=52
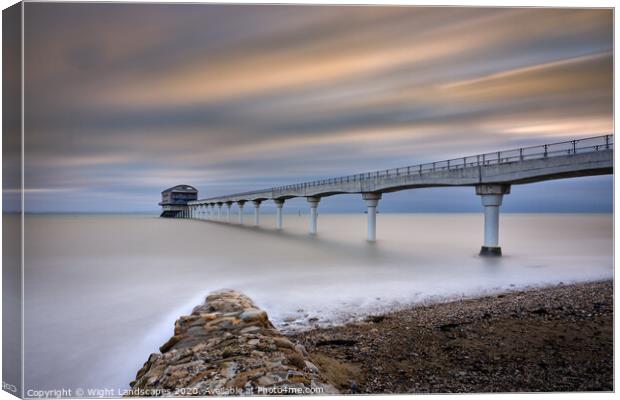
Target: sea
x=102, y=292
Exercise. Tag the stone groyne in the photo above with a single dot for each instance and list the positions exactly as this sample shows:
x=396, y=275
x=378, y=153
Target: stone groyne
x=228, y=346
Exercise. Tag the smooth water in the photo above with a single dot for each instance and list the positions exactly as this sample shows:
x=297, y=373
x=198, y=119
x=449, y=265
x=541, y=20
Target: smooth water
x=102, y=292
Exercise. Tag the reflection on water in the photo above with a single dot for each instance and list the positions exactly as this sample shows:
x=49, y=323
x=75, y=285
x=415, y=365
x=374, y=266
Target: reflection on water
x=102, y=292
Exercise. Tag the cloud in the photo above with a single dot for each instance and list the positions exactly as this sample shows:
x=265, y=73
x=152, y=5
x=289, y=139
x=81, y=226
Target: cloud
x=132, y=98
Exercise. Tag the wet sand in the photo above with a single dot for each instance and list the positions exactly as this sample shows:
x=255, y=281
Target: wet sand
x=553, y=339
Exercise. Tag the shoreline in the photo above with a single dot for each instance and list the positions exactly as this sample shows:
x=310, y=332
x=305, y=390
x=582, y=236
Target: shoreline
x=296, y=323
x=554, y=338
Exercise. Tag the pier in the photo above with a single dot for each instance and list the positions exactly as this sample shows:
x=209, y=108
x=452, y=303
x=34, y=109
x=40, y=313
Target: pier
x=490, y=174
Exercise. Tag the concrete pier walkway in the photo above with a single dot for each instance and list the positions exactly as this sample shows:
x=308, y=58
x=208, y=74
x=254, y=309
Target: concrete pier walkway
x=491, y=174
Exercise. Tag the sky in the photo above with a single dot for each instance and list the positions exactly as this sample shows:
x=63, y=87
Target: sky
x=125, y=100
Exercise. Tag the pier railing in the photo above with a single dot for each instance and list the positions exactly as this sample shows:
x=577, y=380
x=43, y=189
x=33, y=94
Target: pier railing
x=578, y=146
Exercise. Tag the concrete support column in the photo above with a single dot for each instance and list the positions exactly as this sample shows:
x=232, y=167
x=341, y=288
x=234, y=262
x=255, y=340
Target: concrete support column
x=240, y=204
x=491, y=196
x=372, y=200
x=219, y=211
x=228, y=205
x=256, y=211
x=314, y=204
x=279, y=205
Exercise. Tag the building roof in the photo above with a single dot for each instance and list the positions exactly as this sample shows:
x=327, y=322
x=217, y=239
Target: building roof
x=181, y=188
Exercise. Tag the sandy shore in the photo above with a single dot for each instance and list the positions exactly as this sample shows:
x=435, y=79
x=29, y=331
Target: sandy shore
x=552, y=339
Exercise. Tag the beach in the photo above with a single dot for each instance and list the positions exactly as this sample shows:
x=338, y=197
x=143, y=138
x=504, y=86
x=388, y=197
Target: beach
x=558, y=338
x=121, y=281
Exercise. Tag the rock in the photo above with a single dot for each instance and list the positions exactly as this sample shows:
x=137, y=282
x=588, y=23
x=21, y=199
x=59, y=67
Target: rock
x=169, y=344
x=253, y=315
x=228, y=346
x=266, y=381
x=297, y=360
x=250, y=329
x=283, y=342
x=311, y=367
x=300, y=348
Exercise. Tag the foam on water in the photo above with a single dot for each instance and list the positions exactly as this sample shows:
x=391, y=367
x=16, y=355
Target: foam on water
x=103, y=292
